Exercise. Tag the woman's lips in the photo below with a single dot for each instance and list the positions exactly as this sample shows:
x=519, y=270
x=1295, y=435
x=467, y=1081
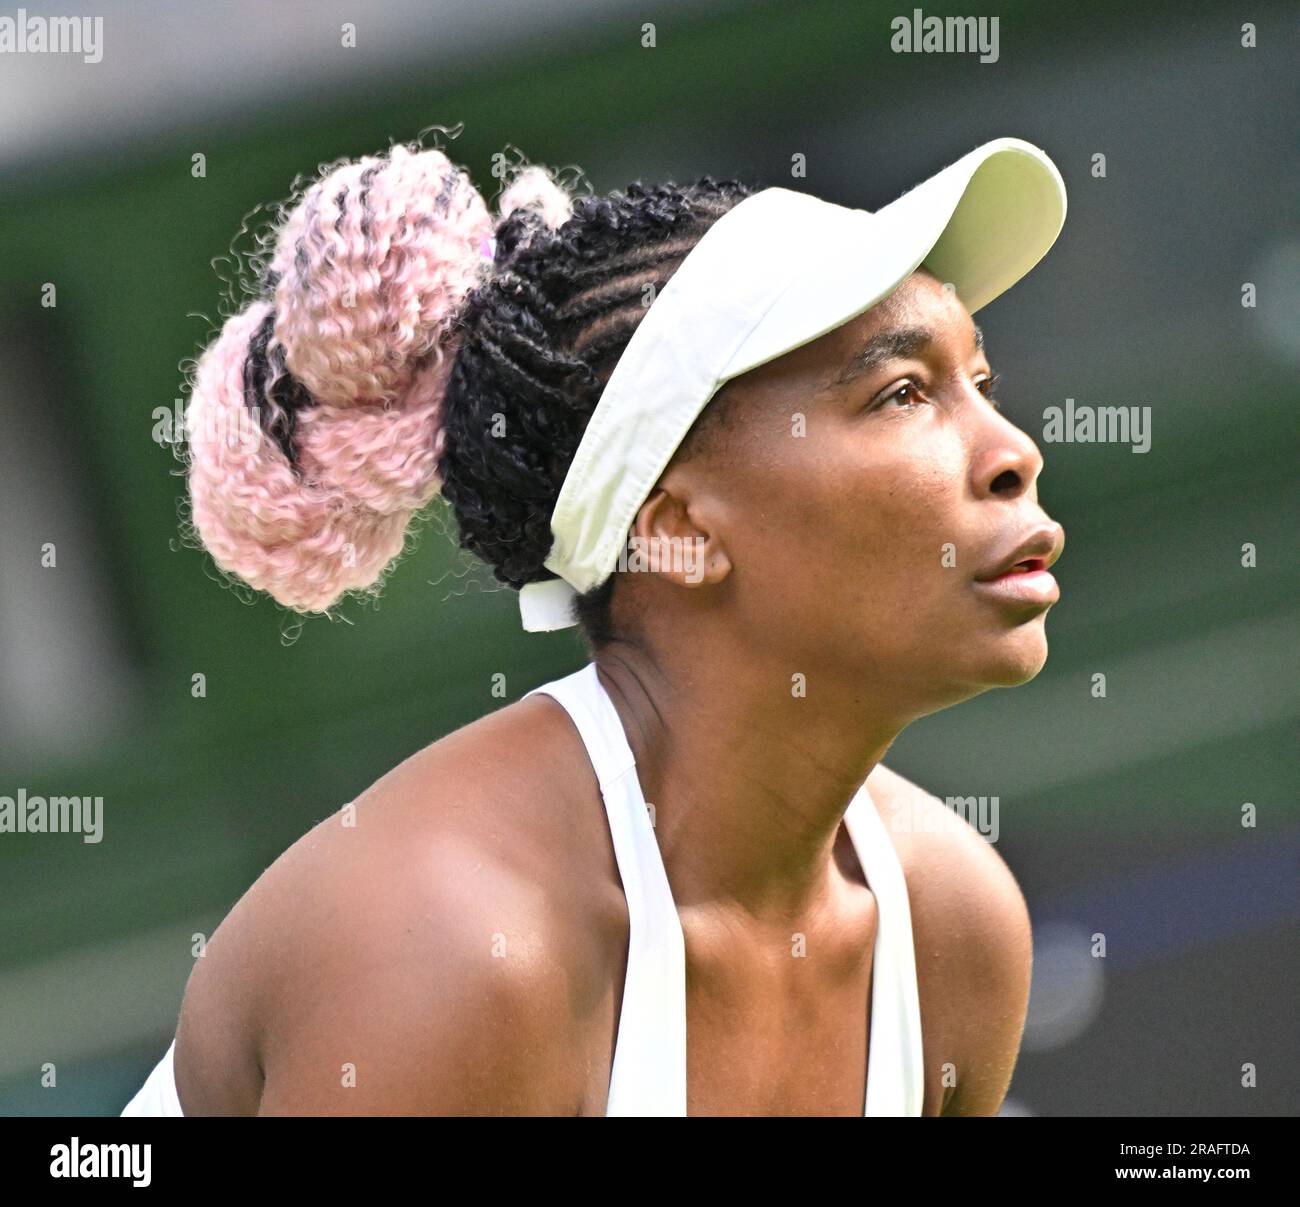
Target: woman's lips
x=1026, y=582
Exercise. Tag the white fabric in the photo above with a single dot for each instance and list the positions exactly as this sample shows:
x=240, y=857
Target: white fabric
x=649, y=1069
x=158, y=1094
x=781, y=268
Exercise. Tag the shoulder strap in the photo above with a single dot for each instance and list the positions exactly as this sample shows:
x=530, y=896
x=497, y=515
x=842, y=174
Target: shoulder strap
x=158, y=1094
x=649, y=1071
x=607, y=747
x=895, y=1066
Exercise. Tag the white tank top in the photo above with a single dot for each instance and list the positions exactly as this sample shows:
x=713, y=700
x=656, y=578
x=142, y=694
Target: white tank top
x=649, y=1070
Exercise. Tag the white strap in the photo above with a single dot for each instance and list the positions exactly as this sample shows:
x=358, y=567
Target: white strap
x=547, y=605
x=648, y=1077
x=158, y=1094
x=895, y=1058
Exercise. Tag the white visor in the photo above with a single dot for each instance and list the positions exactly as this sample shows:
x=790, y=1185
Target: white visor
x=777, y=270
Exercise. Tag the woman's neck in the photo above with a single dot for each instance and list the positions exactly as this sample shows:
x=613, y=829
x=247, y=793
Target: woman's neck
x=748, y=779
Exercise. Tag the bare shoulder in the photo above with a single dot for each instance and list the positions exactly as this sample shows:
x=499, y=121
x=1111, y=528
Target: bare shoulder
x=973, y=942
x=429, y=948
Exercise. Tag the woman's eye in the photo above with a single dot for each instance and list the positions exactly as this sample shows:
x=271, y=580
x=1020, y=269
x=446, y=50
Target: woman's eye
x=987, y=386
x=906, y=394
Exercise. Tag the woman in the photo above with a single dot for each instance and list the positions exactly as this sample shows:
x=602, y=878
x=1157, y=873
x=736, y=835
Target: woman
x=693, y=835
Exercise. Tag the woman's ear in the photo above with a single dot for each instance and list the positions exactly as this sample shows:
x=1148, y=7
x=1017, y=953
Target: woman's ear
x=668, y=539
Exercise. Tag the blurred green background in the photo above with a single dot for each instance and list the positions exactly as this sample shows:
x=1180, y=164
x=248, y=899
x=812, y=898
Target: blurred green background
x=1119, y=815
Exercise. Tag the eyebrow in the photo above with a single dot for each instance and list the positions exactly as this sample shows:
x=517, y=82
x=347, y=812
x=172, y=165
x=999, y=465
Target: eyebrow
x=892, y=345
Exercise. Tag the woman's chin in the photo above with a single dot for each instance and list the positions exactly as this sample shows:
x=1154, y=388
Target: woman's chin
x=1009, y=660
x=1005, y=660
x=1020, y=656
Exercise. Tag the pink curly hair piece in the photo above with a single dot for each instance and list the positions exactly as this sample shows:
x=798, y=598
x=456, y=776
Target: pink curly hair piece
x=369, y=270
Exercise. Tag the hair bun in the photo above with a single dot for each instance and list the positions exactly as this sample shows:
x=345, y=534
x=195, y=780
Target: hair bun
x=534, y=188
x=370, y=266
x=315, y=419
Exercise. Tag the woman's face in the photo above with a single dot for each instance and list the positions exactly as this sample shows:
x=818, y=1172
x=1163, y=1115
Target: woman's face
x=858, y=534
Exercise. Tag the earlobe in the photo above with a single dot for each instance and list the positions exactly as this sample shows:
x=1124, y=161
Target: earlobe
x=716, y=565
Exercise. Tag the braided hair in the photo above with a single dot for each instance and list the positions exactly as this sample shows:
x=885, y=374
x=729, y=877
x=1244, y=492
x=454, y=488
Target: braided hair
x=388, y=355
x=541, y=340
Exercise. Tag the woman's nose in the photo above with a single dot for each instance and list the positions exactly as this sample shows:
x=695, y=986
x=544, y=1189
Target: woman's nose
x=1007, y=463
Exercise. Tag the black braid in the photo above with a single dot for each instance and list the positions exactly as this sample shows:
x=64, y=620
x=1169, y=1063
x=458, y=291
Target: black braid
x=267, y=381
x=540, y=340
